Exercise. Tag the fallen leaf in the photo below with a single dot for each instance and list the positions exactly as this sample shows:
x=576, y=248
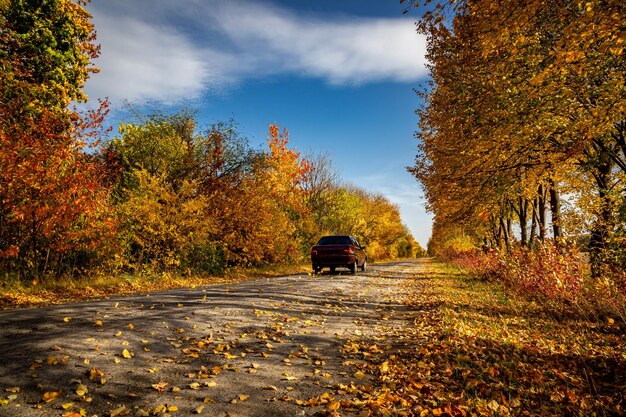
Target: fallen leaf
x=121, y=411
x=67, y=319
x=334, y=405
x=50, y=395
x=126, y=354
x=81, y=390
x=160, y=387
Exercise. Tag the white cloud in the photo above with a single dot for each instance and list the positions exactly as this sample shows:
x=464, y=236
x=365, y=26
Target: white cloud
x=169, y=51
x=141, y=62
x=347, y=50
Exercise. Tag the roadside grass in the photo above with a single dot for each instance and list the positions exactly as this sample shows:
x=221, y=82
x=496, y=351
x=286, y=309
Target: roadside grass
x=474, y=348
x=18, y=293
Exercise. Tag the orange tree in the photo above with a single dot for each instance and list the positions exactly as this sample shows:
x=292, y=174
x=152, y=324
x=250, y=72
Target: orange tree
x=51, y=201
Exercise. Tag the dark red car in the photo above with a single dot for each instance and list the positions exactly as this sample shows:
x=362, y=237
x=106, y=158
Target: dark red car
x=338, y=251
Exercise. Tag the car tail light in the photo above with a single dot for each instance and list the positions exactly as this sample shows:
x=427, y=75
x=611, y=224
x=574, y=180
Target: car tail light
x=314, y=252
x=348, y=250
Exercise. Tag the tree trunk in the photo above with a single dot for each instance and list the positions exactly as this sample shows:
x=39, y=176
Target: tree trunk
x=555, y=208
x=505, y=233
x=523, y=220
x=533, y=221
x=541, y=208
x=603, y=225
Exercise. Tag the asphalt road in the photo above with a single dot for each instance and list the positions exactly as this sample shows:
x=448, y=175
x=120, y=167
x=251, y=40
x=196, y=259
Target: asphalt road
x=257, y=348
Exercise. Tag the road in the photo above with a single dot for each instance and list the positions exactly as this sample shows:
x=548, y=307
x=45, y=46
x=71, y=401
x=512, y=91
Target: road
x=257, y=348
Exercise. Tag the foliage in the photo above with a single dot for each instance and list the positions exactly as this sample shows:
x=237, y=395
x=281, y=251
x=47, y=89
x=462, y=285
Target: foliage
x=46, y=51
x=551, y=274
x=53, y=209
x=163, y=195
x=179, y=189
x=536, y=111
x=162, y=224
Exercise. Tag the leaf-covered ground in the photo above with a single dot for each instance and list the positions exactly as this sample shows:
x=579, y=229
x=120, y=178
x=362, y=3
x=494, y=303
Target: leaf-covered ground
x=410, y=338
x=15, y=293
x=469, y=348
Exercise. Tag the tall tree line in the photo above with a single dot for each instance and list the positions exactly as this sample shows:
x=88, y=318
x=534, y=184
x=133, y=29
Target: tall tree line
x=526, y=104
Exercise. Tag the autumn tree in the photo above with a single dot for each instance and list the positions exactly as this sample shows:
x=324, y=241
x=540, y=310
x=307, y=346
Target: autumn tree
x=52, y=206
x=524, y=96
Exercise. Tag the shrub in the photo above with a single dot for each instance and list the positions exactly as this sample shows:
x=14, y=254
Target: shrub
x=206, y=258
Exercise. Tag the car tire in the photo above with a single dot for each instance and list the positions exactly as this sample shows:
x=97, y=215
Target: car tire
x=364, y=266
x=316, y=269
x=354, y=267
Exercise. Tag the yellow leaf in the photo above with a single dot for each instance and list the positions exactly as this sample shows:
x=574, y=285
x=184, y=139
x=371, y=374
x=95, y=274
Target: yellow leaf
x=98, y=323
x=95, y=373
x=52, y=360
x=86, y=361
x=67, y=405
x=160, y=386
x=610, y=320
x=121, y=411
x=172, y=408
x=67, y=319
x=126, y=354
x=50, y=395
x=12, y=389
x=131, y=326
x=243, y=397
x=194, y=385
x=384, y=367
x=334, y=405
x=199, y=409
x=359, y=375
x=81, y=390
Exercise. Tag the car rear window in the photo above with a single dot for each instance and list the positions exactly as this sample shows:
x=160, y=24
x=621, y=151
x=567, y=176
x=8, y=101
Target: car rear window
x=334, y=240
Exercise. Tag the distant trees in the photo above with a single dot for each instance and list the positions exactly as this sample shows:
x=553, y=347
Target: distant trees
x=204, y=200
x=527, y=103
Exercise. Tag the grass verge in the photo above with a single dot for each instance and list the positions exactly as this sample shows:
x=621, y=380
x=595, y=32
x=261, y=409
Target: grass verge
x=473, y=348
x=15, y=293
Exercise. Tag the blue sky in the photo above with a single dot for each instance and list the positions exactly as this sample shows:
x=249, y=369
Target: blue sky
x=339, y=75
